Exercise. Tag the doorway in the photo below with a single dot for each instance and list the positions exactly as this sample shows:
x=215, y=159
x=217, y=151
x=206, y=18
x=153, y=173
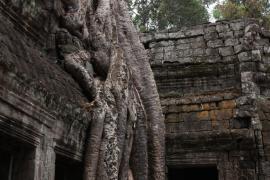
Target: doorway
x=17, y=159
x=68, y=169
x=193, y=173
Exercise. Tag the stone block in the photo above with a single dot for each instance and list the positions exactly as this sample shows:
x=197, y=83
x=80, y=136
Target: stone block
x=229, y=59
x=244, y=56
x=215, y=43
x=266, y=50
x=226, y=51
x=211, y=36
x=158, y=36
x=238, y=34
x=172, y=118
x=223, y=114
x=205, y=126
x=212, y=51
x=183, y=46
x=220, y=125
x=203, y=115
x=231, y=42
x=194, y=32
x=230, y=104
x=174, y=109
x=199, y=44
x=190, y=116
x=173, y=127
x=198, y=52
x=176, y=35
x=250, y=88
x=166, y=43
x=248, y=66
x=206, y=107
x=210, y=29
x=170, y=57
x=157, y=56
x=222, y=27
x=225, y=35
x=256, y=55
x=239, y=48
x=237, y=26
x=191, y=108
x=262, y=42
x=161, y=49
x=226, y=114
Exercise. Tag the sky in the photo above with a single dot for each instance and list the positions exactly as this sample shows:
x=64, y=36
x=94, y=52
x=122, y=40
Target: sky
x=211, y=8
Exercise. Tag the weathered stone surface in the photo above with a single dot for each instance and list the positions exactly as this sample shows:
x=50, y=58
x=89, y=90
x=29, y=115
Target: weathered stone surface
x=213, y=81
x=77, y=95
x=215, y=96
x=226, y=51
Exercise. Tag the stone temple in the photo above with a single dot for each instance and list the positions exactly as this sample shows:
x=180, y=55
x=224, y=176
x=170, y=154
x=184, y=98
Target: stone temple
x=214, y=85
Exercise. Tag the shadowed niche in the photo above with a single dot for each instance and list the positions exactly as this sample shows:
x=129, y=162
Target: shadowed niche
x=193, y=173
x=67, y=169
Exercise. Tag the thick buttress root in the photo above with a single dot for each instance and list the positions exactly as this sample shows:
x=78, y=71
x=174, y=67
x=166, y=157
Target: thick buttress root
x=126, y=137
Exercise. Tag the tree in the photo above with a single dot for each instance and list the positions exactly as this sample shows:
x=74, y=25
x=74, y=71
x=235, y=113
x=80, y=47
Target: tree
x=163, y=14
x=234, y=9
x=144, y=13
x=100, y=48
x=177, y=13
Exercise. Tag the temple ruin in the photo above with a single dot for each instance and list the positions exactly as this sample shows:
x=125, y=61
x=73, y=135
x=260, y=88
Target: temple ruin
x=213, y=81
x=214, y=86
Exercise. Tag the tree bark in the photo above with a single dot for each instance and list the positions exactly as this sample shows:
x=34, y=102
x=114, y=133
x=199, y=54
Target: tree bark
x=126, y=137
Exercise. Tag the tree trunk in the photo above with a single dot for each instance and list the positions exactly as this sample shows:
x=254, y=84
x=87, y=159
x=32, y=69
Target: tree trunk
x=102, y=51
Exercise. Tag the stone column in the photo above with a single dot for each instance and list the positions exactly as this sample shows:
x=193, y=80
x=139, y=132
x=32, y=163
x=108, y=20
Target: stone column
x=45, y=159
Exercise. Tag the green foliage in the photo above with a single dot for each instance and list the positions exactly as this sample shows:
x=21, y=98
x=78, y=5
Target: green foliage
x=144, y=13
x=177, y=13
x=234, y=9
x=163, y=14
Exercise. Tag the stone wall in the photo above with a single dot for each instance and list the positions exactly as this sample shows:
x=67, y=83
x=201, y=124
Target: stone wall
x=213, y=81
x=42, y=108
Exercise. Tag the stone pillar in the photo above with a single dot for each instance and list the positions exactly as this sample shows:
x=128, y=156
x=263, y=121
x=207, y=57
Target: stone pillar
x=45, y=159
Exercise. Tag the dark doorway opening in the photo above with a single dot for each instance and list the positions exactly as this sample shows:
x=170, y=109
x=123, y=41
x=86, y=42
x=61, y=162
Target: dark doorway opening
x=5, y=163
x=16, y=159
x=194, y=173
x=68, y=169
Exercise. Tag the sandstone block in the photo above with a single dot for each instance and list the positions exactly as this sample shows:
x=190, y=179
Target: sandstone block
x=256, y=55
x=244, y=56
x=237, y=26
x=215, y=43
x=238, y=34
x=212, y=51
x=231, y=42
x=222, y=27
x=210, y=29
x=203, y=115
x=176, y=35
x=191, y=108
x=211, y=36
x=226, y=35
x=194, y=32
x=172, y=118
x=231, y=104
x=226, y=51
